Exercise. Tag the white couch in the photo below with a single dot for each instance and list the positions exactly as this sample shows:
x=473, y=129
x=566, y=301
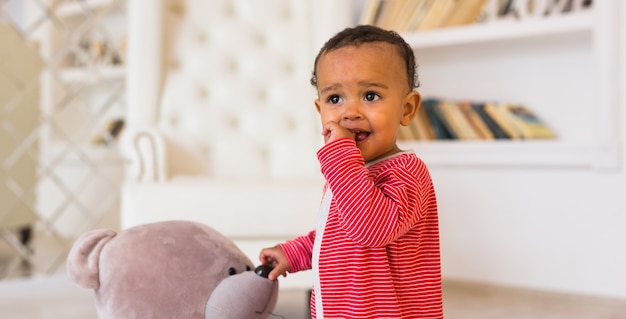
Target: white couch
x=221, y=125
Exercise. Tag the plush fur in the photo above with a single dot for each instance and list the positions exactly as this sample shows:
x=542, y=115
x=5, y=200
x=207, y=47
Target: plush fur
x=173, y=269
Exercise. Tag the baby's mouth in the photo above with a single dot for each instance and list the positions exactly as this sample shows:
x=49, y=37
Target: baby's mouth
x=360, y=136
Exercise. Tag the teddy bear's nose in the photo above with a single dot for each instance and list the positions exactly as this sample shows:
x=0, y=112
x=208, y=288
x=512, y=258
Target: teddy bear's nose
x=263, y=270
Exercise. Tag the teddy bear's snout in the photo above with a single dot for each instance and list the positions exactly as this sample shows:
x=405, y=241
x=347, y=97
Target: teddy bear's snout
x=261, y=295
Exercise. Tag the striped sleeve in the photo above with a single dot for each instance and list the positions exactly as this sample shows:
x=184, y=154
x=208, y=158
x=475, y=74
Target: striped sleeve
x=373, y=212
x=299, y=251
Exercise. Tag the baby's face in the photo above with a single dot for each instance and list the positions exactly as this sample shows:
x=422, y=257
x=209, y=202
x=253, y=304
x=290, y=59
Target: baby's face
x=364, y=89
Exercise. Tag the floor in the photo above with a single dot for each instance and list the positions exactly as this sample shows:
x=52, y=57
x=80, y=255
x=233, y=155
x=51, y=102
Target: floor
x=56, y=297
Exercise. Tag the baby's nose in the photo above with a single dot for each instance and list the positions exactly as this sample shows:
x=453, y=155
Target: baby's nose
x=352, y=112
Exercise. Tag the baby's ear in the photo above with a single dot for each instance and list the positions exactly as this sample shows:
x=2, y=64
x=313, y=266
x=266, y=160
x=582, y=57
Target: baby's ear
x=411, y=104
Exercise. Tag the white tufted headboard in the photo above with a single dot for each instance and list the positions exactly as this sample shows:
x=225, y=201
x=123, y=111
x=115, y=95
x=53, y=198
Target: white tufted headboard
x=231, y=98
x=236, y=93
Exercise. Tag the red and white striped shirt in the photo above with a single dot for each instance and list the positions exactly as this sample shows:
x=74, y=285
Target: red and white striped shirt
x=379, y=255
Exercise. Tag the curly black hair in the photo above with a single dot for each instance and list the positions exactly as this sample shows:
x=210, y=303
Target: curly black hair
x=366, y=34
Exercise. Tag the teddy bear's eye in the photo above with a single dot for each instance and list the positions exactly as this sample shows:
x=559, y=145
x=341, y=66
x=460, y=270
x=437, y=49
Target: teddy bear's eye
x=232, y=271
x=248, y=268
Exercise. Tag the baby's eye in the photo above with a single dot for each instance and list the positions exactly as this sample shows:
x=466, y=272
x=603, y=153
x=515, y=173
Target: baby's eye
x=371, y=96
x=334, y=99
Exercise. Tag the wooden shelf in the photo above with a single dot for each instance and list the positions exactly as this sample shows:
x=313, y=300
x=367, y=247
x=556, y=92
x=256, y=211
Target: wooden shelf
x=93, y=75
x=503, y=30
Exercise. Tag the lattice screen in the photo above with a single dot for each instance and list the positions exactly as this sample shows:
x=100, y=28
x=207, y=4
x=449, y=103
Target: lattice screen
x=61, y=108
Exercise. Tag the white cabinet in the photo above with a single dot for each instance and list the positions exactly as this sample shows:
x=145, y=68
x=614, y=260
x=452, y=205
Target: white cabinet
x=561, y=66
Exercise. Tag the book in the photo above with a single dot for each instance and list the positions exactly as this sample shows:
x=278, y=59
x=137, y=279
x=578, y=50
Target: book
x=446, y=120
x=457, y=121
x=389, y=13
x=405, y=14
x=415, y=131
x=439, y=119
x=480, y=127
x=494, y=127
x=464, y=12
x=499, y=113
x=527, y=122
x=405, y=133
x=431, y=107
x=422, y=126
x=419, y=13
x=436, y=14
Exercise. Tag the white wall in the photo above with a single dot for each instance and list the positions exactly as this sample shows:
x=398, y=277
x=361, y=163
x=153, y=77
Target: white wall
x=554, y=230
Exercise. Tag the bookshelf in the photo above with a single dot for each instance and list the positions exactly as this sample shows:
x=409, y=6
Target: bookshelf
x=561, y=66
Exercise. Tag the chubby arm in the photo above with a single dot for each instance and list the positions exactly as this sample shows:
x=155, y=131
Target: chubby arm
x=375, y=211
x=291, y=256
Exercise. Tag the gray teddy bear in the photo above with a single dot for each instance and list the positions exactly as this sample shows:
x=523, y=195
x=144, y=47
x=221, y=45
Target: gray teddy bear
x=172, y=269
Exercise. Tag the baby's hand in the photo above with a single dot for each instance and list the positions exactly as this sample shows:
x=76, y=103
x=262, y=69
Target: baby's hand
x=275, y=257
x=332, y=132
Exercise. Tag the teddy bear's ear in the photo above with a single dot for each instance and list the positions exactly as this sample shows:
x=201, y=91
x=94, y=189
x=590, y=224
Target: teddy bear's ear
x=83, y=259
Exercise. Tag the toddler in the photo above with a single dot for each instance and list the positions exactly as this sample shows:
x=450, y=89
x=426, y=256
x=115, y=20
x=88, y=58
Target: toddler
x=375, y=252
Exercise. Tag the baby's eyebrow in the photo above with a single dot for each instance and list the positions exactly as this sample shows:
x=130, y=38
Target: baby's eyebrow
x=375, y=84
x=330, y=88
x=360, y=83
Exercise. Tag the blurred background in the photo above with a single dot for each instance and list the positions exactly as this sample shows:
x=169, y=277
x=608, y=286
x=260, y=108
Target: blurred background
x=118, y=112
x=63, y=103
